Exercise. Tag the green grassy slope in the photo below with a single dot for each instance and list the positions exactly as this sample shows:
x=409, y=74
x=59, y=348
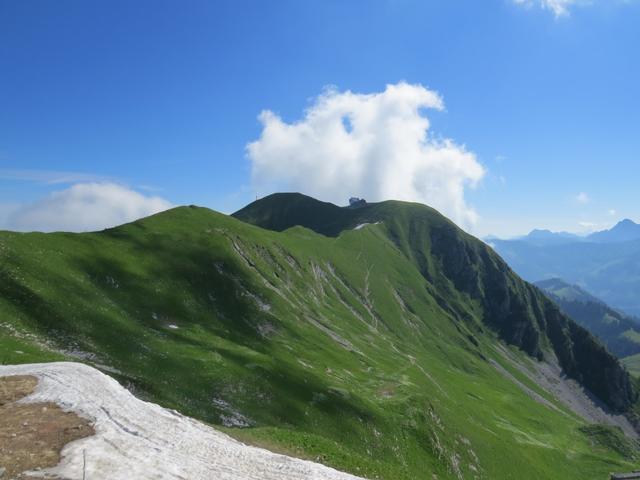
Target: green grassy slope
x=462, y=271
x=632, y=363
x=368, y=350
x=620, y=333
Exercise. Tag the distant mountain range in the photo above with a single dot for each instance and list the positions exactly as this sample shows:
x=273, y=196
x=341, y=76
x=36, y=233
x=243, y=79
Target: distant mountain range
x=547, y=237
x=606, y=263
x=624, y=231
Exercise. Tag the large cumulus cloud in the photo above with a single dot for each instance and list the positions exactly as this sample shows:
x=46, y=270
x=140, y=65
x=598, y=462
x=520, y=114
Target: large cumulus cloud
x=377, y=146
x=85, y=207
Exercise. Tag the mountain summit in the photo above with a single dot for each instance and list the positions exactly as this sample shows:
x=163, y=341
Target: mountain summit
x=624, y=231
x=547, y=237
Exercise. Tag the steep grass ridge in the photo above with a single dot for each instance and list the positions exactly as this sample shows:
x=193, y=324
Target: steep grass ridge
x=447, y=257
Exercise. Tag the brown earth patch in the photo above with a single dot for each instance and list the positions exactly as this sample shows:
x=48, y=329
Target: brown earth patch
x=16, y=387
x=32, y=435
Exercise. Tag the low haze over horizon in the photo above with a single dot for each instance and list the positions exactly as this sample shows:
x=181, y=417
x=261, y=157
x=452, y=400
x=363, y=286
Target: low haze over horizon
x=506, y=115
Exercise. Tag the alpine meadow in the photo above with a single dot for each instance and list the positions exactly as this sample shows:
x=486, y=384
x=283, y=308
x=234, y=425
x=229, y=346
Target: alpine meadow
x=320, y=240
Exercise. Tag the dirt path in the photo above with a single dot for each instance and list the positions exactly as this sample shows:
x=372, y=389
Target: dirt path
x=33, y=435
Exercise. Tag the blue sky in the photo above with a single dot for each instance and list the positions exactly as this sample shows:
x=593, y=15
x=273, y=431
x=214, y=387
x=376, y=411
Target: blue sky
x=155, y=102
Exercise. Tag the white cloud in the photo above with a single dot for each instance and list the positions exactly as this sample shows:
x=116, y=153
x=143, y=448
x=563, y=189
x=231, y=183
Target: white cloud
x=586, y=227
x=85, y=207
x=612, y=212
x=582, y=198
x=559, y=8
x=6, y=211
x=377, y=146
x=49, y=177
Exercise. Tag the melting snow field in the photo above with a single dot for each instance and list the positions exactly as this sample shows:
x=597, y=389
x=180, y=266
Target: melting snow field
x=362, y=225
x=140, y=440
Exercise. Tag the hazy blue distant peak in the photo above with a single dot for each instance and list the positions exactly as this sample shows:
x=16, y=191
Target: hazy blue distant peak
x=624, y=231
x=538, y=237
x=547, y=237
x=537, y=233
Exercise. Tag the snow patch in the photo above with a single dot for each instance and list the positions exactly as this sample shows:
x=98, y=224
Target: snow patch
x=136, y=439
x=362, y=225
